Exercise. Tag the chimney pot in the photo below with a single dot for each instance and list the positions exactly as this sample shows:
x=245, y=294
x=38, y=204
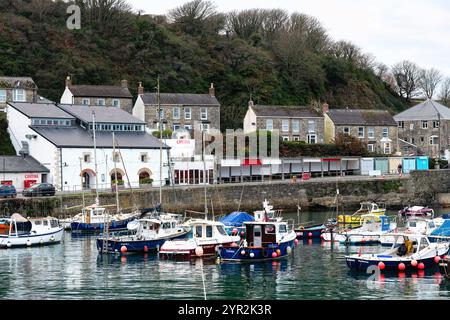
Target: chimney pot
x=250, y=103
x=212, y=91
x=124, y=84
x=68, y=81
x=325, y=108
x=140, y=88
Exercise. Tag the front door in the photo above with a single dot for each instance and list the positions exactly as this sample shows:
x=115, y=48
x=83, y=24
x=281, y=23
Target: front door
x=257, y=237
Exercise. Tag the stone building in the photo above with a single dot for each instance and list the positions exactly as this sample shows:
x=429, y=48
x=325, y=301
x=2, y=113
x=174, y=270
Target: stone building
x=17, y=89
x=101, y=96
x=294, y=123
x=376, y=128
x=179, y=110
x=424, y=129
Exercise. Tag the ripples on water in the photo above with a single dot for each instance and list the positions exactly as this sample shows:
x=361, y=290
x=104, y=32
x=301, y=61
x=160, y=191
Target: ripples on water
x=74, y=270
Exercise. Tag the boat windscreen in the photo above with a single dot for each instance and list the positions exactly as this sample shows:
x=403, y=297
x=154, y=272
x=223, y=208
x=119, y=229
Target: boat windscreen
x=23, y=227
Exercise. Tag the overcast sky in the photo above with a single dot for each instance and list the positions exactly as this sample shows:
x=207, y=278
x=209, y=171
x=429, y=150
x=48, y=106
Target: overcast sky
x=392, y=30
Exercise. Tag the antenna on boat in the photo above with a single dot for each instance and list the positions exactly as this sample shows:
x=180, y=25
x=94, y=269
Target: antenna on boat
x=97, y=201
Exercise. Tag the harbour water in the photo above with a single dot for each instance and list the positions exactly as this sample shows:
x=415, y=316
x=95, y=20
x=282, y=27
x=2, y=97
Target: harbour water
x=74, y=270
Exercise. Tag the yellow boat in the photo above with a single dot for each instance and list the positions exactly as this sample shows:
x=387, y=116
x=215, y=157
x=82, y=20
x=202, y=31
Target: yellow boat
x=366, y=208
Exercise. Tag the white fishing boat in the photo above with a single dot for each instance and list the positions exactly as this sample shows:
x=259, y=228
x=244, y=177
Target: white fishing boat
x=418, y=226
x=203, y=240
x=372, y=228
x=408, y=252
x=24, y=232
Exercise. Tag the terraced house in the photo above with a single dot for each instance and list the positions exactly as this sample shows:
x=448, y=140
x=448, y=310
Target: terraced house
x=17, y=89
x=294, y=123
x=424, y=129
x=178, y=110
x=376, y=128
x=98, y=95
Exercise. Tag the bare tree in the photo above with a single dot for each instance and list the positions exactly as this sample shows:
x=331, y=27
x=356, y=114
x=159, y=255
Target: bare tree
x=407, y=75
x=429, y=81
x=245, y=23
x=444, y=94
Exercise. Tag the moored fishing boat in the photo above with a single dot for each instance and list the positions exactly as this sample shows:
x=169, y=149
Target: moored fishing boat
x=366, y=208
x=418, y=226
x=24, y=232
x=202, y=240
x=151, y=234
x=416, y=211
x=265, y=241
x=372, y=228
x=407, y=252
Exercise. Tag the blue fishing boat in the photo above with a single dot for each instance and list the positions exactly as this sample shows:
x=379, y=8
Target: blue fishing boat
x=150, y=235
x=313, y=232
x=266, y=239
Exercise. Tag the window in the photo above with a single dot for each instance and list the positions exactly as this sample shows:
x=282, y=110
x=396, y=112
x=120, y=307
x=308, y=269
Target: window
x=311, y=126
x=312, y=138
x=434, y=141
x=198, y=231
x=269, y=125
x=422, y=139
x=269, y=229
x=285, y=125
x=371, y=133
x=435, y=124
x=285, y=138
x=283, y=228
x=176, y=127
x=19, y=95
x=86, y=102
x=116, y=157
x=205, y=126
x=2, y=95
x=387, y=148
x=116, y=103
x=221, y=230
x=204, y=113
x=176, y=112
x=411, y=127
x=346, y=130
x=87, y=157
x=101, y=102
x=295, y=126
x=413, y=140
x=361, y=132
x=424, y=124
x=371, y=148
x=188, y=127
x=401, y=124
x=187, y=113
x=385, y=132
x=209, y=231
x=144, y=157
x=296, y=138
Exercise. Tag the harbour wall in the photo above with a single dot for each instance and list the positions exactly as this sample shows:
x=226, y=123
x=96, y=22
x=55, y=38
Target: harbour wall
x=430, y=188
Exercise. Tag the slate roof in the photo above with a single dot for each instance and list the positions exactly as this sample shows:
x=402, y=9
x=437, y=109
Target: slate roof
x=361, y=117
x=19, y=164
x=40, y=110
x=285, y=111
x=427, y=110
x=181, y=99
x=80, y=138
x=100, y=91
x=102, y=114
x=17, y=82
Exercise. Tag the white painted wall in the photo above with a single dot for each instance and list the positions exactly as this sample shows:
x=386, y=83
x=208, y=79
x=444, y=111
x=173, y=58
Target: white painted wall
x=181, y=148
x=19, y=178
x=139, y=109
x=249, y=119
x=67, y=97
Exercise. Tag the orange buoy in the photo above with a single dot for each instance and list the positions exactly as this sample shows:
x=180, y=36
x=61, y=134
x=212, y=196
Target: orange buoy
x=401, y=267
x=381, y=265
x=123, y=249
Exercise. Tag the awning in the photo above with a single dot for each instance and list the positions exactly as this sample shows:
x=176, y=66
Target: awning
x=331, y=159
x=251, y=162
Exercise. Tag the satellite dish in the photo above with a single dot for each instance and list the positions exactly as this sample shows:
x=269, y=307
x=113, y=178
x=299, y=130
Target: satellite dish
x=181, y=134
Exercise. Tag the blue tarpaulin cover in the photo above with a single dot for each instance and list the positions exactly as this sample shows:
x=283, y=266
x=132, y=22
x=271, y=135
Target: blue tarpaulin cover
x=236, y=219
x=443, y=231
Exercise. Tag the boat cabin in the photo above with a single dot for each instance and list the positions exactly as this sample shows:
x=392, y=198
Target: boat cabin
x=372, y=222
x=420, y=225
x=94, y=214
x=406, y=245
x=268, y=214
x=206, y=230
x=370, y=207
x=263, y=234
x=16, y=226
x=45, y=224
x=154, y=226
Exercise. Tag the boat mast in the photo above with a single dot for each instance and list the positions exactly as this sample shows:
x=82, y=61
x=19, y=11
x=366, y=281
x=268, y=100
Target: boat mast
x=97, y=201
x=204, y=171
x=158, y=95
x=82, y=186
x=115, y=173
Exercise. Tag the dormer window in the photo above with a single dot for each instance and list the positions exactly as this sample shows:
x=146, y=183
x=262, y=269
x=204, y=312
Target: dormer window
x=19, y=95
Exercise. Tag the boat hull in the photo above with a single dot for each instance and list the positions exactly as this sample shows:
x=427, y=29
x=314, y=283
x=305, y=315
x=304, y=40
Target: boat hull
x=256, y=254
x=361, y=265
x=30, y=240
x=209, y=251
x=81, y=227
x=310, y=233
x=136, y=246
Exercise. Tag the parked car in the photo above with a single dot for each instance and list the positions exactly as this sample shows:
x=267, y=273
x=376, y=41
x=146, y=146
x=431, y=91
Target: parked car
x=7, y=191
x=39, y=190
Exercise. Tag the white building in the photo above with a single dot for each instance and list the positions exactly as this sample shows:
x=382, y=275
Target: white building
x=22, y=171
x=61, y=138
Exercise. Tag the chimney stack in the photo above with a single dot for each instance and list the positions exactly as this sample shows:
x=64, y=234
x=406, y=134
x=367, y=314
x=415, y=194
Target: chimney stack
x=124, y=84
x=68, y=81
x=250, y=103
x=212, y=91
x=325, y=108
x=140, y=89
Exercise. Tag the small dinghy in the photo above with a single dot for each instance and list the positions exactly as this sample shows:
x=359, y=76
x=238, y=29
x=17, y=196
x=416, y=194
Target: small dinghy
x=265, y=241
x=151, y=234
x=203, y=240
x=408, y=252
x=413, y=226
x=372, y=228
x=24, y=232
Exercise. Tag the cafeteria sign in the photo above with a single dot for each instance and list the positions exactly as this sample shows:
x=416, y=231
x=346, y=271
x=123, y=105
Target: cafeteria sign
x=31, y=176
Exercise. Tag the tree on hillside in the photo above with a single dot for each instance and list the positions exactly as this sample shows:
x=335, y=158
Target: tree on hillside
x=429, y=81
x=407, y=75
x=444, y=94
x=349, y=145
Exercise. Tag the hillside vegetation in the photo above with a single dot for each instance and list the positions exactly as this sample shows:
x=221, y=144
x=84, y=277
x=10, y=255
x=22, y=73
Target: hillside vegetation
x=274, y=57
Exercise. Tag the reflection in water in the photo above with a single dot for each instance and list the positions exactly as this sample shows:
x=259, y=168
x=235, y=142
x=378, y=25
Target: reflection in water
x=74, y=270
